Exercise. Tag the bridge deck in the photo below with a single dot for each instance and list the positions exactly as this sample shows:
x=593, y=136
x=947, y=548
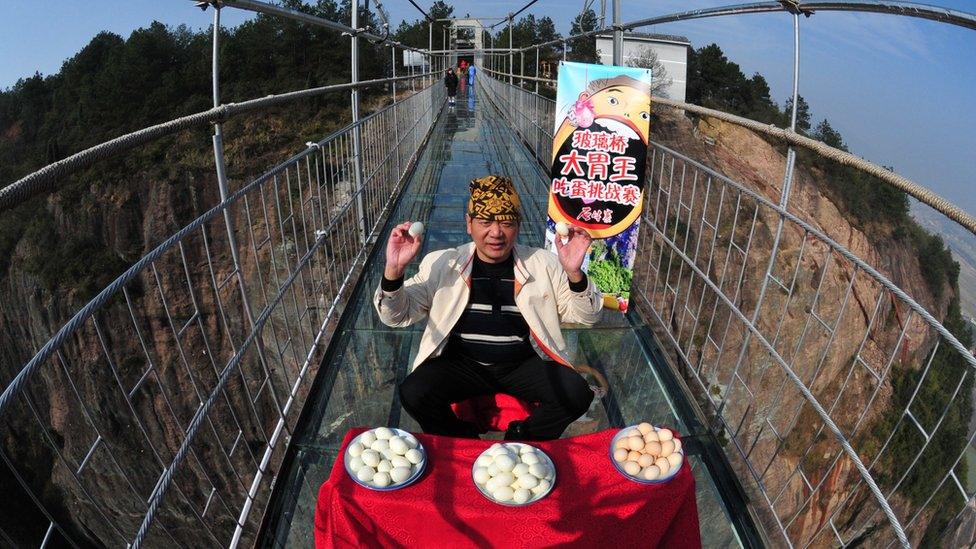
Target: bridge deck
x=366, y=361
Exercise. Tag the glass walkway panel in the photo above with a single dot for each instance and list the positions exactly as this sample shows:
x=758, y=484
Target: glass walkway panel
x=358, y=378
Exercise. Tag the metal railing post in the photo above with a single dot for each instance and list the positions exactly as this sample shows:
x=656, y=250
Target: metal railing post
x=396, y=116
x=357, y=133
x=521, y=69
x=618, y=36
x=537, y=70
x=511, y=67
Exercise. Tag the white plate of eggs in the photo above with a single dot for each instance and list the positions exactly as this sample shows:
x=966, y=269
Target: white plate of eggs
x=514, y=474
x=385, y=459
x=647, y=454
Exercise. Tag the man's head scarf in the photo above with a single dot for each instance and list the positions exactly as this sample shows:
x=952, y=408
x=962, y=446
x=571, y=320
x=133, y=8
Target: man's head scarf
x=494, y=198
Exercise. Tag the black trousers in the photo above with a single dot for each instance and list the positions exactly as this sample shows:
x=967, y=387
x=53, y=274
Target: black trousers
x=428, y=392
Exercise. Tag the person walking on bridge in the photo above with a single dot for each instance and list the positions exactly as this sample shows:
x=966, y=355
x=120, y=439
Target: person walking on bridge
x=451, y=83
x=471, y=72
x=493, y=310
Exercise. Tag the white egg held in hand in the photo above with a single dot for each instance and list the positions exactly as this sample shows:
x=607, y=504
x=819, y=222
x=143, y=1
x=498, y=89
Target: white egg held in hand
x=562, y=228
x=416, y=229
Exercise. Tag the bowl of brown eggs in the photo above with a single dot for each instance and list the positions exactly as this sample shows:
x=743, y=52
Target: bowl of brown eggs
x=646, y=454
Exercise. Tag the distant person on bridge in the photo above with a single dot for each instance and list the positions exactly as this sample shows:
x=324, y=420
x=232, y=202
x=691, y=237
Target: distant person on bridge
x=451, y=83
x=471, y=72
x=493, y=311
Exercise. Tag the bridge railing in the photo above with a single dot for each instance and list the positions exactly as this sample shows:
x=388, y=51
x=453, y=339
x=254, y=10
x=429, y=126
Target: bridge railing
x=844, y=404
x=160, y=411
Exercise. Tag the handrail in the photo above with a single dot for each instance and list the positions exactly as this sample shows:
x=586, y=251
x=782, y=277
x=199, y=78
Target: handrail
x=46, y=178
x=900, y=182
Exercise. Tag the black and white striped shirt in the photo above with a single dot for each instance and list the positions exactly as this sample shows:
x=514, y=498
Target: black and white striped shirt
x=491, y=328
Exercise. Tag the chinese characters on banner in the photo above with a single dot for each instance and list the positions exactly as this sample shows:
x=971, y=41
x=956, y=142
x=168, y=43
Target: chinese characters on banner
x=598, y=167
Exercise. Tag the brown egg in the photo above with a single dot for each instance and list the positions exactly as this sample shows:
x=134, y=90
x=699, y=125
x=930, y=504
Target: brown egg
x=632, y=468
x=635, y=443
x=677, y=444
x=653, y=448
x=633, y=455
x=645, y=460
x=667, y=448
x=652, y=436
x=620, y=455
x=665, y=434
x=664, y=465
x=621, y=443
x=645, y=428
x=630, y=433
x=674, y=460
x=651, y=473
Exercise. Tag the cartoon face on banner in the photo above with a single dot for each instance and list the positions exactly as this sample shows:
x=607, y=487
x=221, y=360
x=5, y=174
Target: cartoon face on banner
x=598, y=162
x=599, y=153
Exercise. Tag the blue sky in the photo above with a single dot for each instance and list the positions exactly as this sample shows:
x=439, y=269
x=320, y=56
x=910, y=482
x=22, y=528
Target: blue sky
x=900, y=90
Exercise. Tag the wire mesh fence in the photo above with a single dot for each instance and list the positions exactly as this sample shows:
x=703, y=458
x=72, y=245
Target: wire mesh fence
x=845, y=404
x=181, y=449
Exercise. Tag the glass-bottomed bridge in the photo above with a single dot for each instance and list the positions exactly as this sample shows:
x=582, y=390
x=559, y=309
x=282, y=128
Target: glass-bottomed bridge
x=200, y=398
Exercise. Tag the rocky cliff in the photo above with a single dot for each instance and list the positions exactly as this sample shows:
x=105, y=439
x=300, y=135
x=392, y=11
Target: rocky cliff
x=855, y=344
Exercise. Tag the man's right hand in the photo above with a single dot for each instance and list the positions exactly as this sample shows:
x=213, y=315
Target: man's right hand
x=401, y=249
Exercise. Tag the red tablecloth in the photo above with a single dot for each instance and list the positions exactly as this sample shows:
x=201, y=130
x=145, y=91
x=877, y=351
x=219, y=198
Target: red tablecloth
x=591, y=505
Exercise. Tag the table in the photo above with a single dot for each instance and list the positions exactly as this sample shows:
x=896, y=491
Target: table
x=591, y=505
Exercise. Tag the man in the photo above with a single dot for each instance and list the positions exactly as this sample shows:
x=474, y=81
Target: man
x=493, y=311
x=471, y=71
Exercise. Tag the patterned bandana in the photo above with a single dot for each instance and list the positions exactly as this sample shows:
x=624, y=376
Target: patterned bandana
x=493, y=197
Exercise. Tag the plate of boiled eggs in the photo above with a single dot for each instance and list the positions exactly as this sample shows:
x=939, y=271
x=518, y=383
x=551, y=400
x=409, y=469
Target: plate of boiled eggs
x=647, y=454
x=514, y=474
x=385, y=459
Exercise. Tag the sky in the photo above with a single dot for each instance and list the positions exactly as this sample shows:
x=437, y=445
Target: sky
x=900, y=90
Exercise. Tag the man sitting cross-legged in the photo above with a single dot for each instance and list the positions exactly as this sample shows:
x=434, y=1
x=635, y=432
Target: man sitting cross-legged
x=493, y=311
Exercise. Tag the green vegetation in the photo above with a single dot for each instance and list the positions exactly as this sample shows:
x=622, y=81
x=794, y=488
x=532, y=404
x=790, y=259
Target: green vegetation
x=608, y=273
x=116, y=85
x=882, y=213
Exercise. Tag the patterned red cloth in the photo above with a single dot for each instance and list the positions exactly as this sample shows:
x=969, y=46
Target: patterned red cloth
x=493, y=412
x=591, y=505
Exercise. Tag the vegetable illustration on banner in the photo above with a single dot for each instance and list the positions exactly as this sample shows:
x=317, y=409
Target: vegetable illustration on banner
x=597, y=177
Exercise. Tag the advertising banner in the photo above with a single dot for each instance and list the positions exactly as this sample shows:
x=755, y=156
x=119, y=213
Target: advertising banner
x=599, y=152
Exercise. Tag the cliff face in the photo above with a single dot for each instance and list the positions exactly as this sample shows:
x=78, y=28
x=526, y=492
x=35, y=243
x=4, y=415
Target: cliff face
x=131, y=379
x=848, y=342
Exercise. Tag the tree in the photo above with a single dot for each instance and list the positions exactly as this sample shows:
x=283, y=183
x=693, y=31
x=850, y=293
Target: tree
x=647, y=58
x=584, y=49
x=802, y=113
x=826, y=133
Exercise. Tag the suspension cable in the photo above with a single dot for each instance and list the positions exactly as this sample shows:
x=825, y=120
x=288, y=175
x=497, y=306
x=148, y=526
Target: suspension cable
x=421, y=10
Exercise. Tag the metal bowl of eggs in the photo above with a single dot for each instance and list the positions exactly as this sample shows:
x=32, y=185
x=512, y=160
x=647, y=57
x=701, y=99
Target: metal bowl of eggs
x=514, y=474
x=646, y=454
x=385, y=459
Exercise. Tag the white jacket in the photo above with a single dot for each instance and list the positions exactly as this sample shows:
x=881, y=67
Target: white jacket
x=439, y=292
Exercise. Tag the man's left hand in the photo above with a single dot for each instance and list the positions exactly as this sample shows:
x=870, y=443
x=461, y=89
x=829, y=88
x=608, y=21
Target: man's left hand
x=572, y=253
